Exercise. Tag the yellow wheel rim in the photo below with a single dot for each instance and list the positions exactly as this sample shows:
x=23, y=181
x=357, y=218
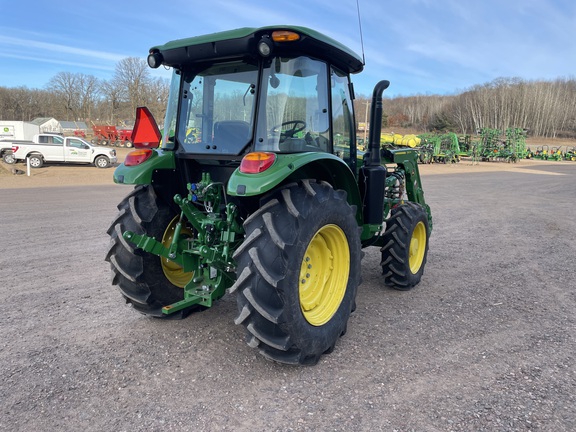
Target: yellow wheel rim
x=417, y=247
x=324, y=275
x=173, y=271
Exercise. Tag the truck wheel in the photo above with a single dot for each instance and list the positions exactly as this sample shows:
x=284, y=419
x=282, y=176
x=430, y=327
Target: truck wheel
x=298, y=272
x=146, y=281
x=36, y=161
x=405, y=246
x=9, y=158
x=102, y=162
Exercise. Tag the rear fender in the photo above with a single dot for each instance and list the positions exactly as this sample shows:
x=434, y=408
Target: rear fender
x=144, y=172
x=292, y=167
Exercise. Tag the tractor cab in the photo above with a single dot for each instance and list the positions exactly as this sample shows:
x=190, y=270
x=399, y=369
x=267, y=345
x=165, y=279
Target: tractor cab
x=270, y=90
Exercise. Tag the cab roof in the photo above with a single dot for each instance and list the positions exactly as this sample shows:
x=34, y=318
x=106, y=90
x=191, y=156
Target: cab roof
x=242, y=43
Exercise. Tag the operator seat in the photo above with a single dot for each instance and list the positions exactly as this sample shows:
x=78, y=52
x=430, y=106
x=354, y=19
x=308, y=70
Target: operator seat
x=231, y=136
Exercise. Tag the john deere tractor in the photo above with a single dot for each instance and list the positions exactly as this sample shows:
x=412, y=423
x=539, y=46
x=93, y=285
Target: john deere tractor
x=255, y=187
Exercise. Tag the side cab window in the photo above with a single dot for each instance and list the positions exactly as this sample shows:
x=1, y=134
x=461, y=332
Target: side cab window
x=343, y=118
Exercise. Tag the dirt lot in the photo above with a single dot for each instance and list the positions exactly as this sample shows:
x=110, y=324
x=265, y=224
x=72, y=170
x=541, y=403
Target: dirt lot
x=486, y=342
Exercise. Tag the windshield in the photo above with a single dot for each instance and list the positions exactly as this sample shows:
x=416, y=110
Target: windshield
x=217, y=109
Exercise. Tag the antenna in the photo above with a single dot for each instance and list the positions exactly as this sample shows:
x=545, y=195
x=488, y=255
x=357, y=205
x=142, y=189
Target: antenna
x=361, y=36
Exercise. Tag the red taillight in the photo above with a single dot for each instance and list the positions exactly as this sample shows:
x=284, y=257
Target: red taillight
x=14, y=149
x=145, y=133
x=136, y=157
x=254, y=163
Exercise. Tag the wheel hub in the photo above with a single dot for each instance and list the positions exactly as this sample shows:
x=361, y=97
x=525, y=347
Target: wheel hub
x=324, y=275
x=417, y=247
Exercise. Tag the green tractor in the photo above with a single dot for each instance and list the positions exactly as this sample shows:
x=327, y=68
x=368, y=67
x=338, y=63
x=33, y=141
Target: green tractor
x=269, y=199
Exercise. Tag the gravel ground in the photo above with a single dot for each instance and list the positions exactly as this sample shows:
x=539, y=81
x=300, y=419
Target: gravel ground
x=486, y=342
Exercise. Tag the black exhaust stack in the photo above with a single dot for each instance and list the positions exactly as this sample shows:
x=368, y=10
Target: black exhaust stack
x=376, y=122
x=372, y=176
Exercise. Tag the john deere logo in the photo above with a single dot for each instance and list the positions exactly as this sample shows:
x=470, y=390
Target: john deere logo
x=6, y=129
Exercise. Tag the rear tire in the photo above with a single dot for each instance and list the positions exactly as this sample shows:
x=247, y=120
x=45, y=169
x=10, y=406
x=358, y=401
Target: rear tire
x=36, y=161
x=9, y=158
x=141, y=276
x=405, y=247
x=298, y=272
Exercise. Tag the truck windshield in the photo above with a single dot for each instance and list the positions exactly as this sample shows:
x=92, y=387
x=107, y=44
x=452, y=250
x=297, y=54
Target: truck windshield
x=217, y=108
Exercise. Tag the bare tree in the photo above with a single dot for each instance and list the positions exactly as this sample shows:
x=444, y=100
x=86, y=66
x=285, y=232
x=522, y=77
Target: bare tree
x=88, y=88
x=65, y=86
x=113, y=95
x=132, y=75
x=157, y=97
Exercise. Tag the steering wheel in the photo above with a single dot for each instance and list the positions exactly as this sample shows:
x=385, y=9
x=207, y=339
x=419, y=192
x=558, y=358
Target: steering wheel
x=297, y=126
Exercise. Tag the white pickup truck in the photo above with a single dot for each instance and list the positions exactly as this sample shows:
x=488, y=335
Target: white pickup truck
x=56, y=148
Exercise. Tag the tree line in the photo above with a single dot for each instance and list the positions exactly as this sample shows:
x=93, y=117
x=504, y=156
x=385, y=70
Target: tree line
x=82, y=97
x=543, y=108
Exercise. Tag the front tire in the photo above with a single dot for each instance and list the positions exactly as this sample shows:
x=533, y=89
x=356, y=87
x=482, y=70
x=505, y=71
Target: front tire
x=102, y=162
x=146, y=281
x=298, y=272
x=405, y=247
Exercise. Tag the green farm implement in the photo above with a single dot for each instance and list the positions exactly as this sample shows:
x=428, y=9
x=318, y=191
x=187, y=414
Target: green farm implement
x=510, y=148
x=570, y=154
x=440, y=148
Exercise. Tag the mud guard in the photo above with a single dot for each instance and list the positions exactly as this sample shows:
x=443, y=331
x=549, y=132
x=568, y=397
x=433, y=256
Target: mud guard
x=143, y=173
x=293, y=167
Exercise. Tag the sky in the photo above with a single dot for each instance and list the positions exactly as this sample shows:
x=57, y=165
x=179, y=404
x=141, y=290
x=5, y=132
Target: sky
x=422, y=47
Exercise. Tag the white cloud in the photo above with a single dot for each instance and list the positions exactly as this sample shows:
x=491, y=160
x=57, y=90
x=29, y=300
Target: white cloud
x=8, y=41
x=100, y=66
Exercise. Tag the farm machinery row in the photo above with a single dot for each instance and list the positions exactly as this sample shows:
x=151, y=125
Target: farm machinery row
x=545, y=152
x=490, y=145
x=105, y=135
x=432, y=148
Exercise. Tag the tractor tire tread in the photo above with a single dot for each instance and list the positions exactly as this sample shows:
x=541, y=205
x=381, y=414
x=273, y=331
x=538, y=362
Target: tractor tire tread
x=396, y=239
x=264, y=257
x=138, y=274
